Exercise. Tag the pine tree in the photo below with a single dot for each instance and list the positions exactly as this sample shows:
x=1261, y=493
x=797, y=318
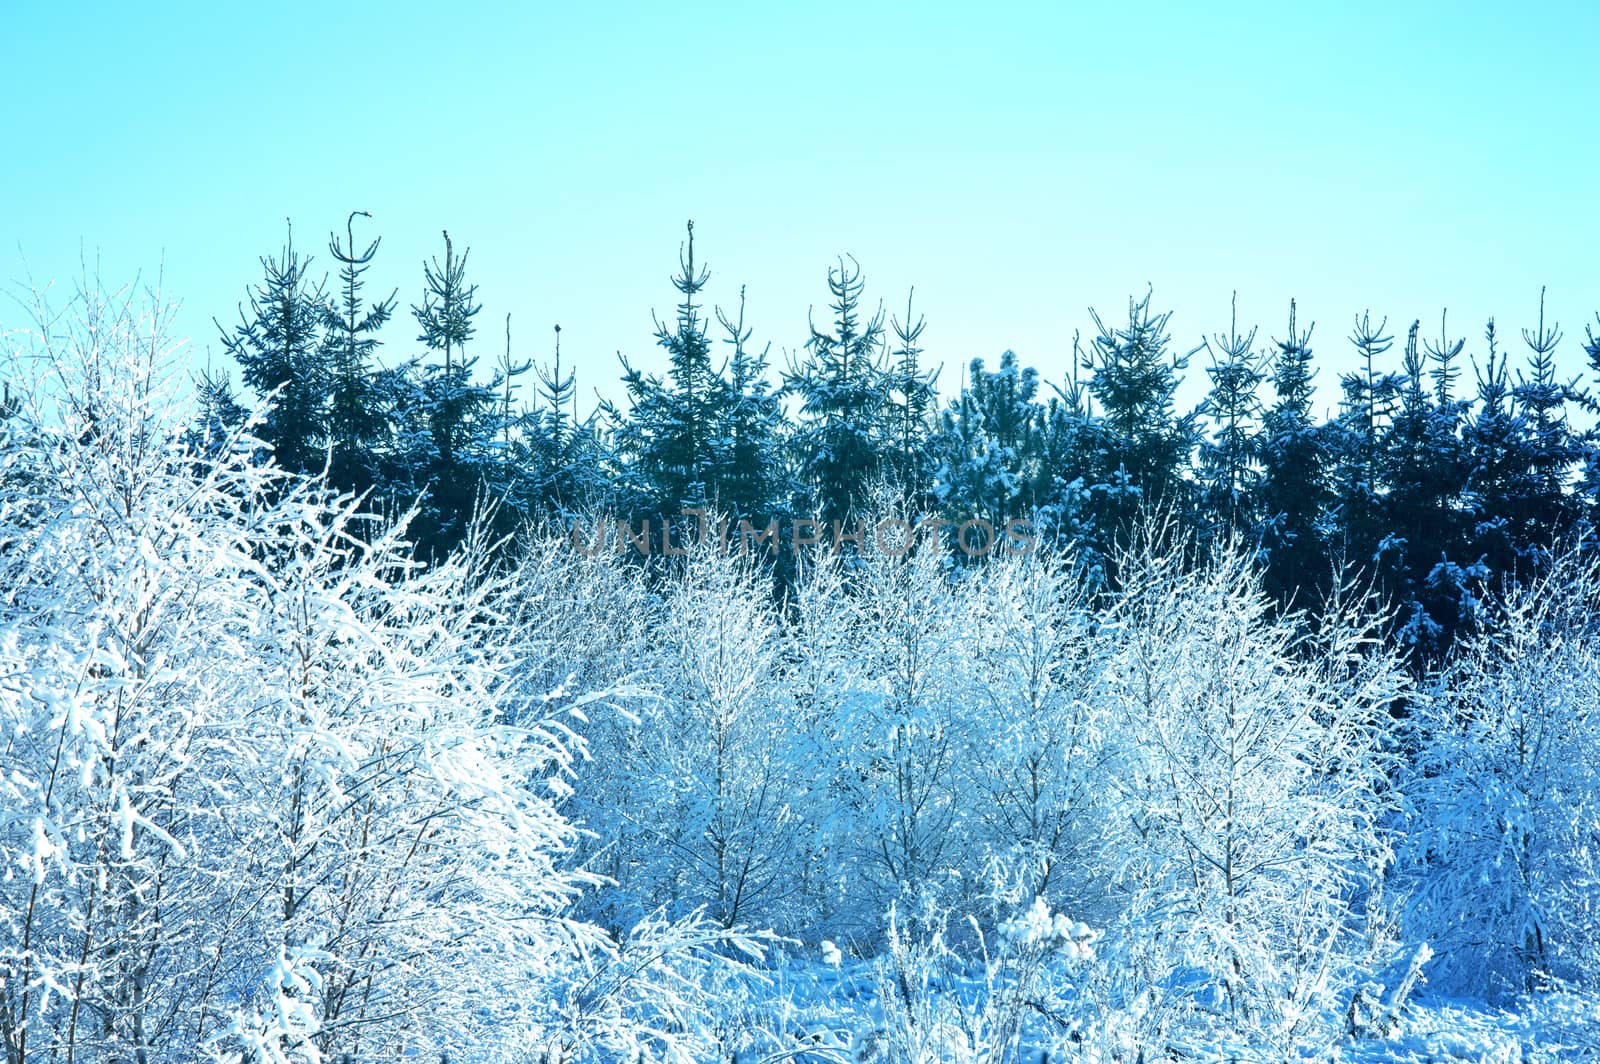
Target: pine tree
x=1147, y=443
x=673, y=433
x=843, y=441
x=1294, y=492
x=1229, y=469
x=279, y=346
x=355, y=423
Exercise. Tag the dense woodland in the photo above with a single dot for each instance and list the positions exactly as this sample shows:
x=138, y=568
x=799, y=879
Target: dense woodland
x=322, y=740
x=1446, y=470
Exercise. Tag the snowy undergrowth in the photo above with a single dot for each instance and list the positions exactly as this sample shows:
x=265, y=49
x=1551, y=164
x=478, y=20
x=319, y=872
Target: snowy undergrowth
x=270, y=790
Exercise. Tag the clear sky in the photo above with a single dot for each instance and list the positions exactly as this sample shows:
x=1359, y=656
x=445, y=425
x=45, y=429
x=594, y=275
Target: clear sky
x=1017, y=163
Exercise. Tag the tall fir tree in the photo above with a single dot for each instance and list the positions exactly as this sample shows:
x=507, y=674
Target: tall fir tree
x=673, y=434
x=1541, y=397
x=843, y=441
x=912, y=412
x=1365, y=410
x=757, y=484
x=351, y=328
x=279, y=346
x=991, y=447
x=1295, y=494
x=1146, y=442
x=1228, y=461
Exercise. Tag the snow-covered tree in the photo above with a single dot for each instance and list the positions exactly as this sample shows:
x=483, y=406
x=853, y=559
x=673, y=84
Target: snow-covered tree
x=1503, y=799
x=1036, y=669
x=270, y=790
x=1247, y=799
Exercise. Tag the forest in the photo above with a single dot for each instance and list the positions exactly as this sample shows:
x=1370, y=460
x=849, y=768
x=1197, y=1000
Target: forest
x=383, y=707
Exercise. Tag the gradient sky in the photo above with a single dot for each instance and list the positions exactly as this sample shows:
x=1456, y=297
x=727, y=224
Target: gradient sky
x=1017, y=163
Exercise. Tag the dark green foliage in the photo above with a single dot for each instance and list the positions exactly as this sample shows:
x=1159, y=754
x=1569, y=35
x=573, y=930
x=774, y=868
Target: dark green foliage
x=355, y=425
x=1429, y=496
x=911, y=414
x=678, y=433
x=1294, y=492
x=279, y=346
x=845, y=436
x=1229, y=463
x=991, y=446
x=1145, y=443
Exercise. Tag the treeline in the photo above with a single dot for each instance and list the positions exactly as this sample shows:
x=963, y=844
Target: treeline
x=1440, y=474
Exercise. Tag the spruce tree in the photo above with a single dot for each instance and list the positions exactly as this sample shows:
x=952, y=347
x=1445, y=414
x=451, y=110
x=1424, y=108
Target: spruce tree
x=1229, y=469
x=991, y=447
x=756, y=483
x=355, y=422
x=844, y=438
x=279, y=346
x=445, y=317
x=455, y=418
x=1424, y=473
x=1541, y=399
x=673, y=433
x=1295, y=493
x=911, y=412
x=1498, y=458
x=1366, y=409
x=1146, y=442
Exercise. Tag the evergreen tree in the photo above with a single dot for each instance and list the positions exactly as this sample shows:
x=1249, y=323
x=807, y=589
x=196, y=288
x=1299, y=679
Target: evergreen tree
x=448, y=306
x=756, y=483
x=1146, y=442
x=279, y=346
x=991, y=454
x=1295, y=493
x=1591, y=442
x=220, y=414
x=1229, y=470
x=1541, y=399
x=454, y=420
x=1424, y=470
x=556, y=456
x=844, y=437
x=355, y=423
x=912, y=412
x=1366, y=409
x=1496, y=443
x=673, y=433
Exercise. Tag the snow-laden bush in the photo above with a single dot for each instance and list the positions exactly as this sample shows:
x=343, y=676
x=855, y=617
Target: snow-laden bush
x=270, y=791
x=897, y=736
x=1503, y=800
x=1246, y=798
x=697, y=789
x=1037, y=773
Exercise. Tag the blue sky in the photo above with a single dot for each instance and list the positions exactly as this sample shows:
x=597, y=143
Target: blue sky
x=1017, y=163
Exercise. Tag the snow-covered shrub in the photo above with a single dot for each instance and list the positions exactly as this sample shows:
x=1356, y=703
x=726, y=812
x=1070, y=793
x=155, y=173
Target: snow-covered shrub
x=702, y=786
x=1503, y=799
x=898, y=737
x=1012, y=998
x=1037, y=777
x=1247, y=797
x=269, y=790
